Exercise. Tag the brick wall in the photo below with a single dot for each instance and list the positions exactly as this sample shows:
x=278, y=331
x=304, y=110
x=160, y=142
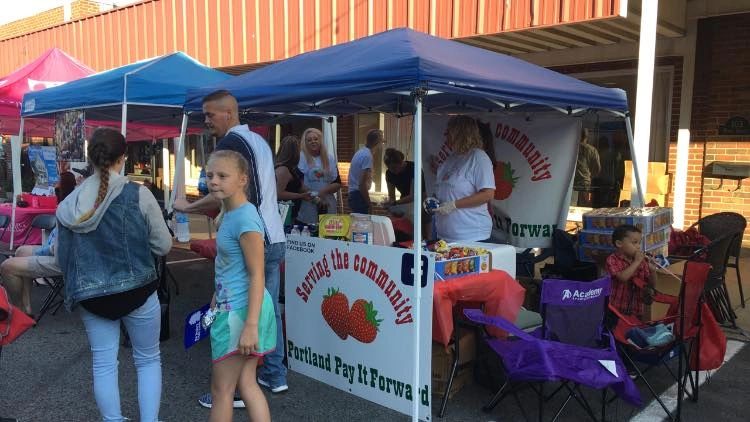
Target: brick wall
x=721, y=90
x=39, y=21
x=82, y=8
x=48, y=18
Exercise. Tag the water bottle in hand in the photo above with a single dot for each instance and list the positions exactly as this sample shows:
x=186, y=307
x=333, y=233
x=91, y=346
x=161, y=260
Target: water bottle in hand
x=182, y=227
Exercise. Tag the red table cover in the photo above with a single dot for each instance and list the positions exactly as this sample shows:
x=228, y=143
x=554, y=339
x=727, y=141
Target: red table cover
x=500, y=293
x=24, y=216
x=204, y=247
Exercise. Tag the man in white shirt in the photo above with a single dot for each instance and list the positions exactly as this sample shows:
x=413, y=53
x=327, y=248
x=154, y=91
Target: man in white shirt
x=360, y=174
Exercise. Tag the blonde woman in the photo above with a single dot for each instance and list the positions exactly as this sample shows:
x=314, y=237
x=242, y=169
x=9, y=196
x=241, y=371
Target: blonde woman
x=465, y=184
x=321, y=175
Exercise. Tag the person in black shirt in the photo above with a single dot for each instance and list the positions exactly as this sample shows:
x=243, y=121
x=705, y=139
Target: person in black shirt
x=289, y=178
x=400, y=176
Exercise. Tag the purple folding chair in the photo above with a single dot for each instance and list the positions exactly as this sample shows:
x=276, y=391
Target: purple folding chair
x=571, y=347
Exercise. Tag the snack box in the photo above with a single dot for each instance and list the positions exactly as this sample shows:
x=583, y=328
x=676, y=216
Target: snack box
x=334, y=226
x=588, y=253
x=648, y=219
x=456, y=260
x=457, y=267
x=601, y=239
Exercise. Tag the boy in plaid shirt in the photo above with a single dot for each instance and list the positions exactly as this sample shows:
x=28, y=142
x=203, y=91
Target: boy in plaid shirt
x=633, y=277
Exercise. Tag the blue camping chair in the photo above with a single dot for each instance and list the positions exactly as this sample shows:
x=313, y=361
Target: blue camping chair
x=571, y=347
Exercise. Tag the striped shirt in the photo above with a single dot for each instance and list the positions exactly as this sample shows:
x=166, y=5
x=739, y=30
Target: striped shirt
x=261, y=189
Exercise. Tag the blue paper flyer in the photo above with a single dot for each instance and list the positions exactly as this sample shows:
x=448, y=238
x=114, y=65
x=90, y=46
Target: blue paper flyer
x=194, y=331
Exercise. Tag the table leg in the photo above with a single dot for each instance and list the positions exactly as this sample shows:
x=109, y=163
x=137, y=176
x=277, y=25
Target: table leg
x=456, y=348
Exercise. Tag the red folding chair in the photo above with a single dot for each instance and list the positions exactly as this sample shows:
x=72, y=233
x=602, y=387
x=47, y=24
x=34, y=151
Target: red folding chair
x=684, y=316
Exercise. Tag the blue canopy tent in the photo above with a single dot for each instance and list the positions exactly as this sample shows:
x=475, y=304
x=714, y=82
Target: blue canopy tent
x=406, y=72
x=150, y=91
x=391, y=72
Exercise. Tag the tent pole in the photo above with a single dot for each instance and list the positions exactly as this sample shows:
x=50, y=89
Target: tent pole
x=636, y=193
x=178, y=185
x=15, y=149
x=124, y=119
x=417, y=251
x=165, y=179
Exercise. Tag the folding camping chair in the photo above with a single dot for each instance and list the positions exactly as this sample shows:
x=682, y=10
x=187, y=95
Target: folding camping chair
x=684, y=315
x=570, y=347
x=44, y=222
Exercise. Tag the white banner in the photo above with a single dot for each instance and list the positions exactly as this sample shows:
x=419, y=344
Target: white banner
x=534, y=163
x=350, y=320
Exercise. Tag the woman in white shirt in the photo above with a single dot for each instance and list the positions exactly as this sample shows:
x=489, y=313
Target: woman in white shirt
x=465, y=184
x=321, y=176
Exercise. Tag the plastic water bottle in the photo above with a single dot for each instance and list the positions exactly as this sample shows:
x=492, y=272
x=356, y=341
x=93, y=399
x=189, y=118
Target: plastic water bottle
x=362, y=229
x=295, y=230
x=182, y=227
x=305, y=231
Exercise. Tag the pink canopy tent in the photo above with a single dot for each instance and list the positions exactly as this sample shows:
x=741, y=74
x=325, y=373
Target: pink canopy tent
x=53, y=68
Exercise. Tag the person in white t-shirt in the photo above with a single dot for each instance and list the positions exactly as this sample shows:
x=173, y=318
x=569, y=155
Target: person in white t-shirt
x=321, y=176
x=360, y=174
x=465, y=184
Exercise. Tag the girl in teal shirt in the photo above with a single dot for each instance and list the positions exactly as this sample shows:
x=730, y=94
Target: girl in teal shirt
x=245, y=325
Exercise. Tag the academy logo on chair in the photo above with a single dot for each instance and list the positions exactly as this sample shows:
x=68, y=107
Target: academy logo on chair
x=581, y=295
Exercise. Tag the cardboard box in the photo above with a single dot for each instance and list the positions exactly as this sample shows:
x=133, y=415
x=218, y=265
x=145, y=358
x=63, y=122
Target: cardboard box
x=442, y=363
x=464, y=376
x=599, y=239
x=647, y=219
x=457, y=267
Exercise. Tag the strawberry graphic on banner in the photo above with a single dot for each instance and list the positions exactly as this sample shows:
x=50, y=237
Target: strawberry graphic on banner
x=504, y=180
x=335, y=310
x=363, y=324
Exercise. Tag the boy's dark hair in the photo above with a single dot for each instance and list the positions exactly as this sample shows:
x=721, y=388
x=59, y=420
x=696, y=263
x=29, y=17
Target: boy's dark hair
x=622, y=231
x=392, y=156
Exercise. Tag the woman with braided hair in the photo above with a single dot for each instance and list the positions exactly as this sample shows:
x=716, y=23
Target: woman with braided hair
x=109, y=230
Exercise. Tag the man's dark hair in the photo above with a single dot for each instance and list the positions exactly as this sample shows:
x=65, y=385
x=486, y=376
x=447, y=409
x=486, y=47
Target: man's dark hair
x=621, y=232
x=217, y=95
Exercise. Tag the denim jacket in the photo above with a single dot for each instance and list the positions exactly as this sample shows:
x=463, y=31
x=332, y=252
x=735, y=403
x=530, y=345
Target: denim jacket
x=114, y=258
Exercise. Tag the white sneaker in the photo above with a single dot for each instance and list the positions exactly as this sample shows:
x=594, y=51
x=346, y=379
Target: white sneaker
x=206, y=401
x=275, y=389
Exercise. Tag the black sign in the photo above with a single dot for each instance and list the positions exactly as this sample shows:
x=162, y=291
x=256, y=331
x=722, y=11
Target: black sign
x=735, y=126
